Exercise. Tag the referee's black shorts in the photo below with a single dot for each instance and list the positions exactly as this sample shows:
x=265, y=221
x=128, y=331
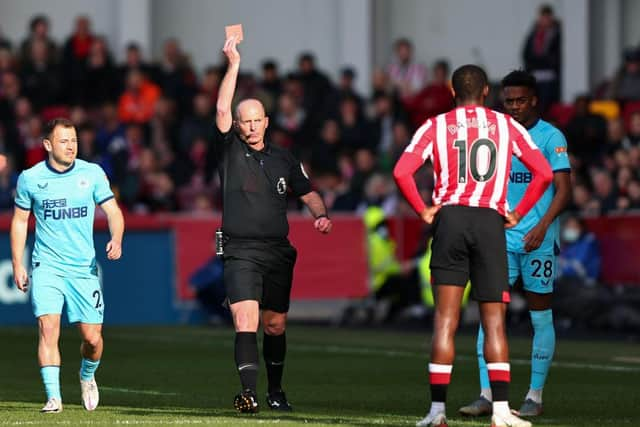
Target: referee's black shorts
x=259, y=270
x=469, y=243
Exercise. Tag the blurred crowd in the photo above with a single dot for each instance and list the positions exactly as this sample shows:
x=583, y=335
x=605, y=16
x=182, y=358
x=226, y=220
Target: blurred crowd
x=149, y=124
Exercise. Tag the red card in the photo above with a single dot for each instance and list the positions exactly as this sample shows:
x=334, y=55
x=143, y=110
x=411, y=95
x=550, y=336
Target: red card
x=234, y=30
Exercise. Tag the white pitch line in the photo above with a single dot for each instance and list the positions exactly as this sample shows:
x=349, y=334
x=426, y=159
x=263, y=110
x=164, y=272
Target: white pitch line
x=334, y=349
x=626, y=359
x=395, y=353
x=592, y=366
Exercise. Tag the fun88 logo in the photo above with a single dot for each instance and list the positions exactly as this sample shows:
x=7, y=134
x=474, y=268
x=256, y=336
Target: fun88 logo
x=57, y=209
x=520, y=177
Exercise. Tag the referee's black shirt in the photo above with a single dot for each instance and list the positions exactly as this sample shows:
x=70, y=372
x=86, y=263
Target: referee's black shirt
x=255, y=186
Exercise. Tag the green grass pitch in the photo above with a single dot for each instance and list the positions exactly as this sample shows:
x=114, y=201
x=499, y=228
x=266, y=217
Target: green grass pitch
x=186, y=376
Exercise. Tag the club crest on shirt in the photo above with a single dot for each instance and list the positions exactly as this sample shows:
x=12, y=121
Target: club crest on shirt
x=83, y=183
x=281, y=185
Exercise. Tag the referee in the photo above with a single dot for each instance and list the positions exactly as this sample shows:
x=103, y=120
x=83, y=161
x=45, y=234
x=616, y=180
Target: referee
x=258, y=258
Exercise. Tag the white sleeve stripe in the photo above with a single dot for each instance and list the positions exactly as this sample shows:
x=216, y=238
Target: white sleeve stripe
x=461, y=117
x=441, y=150
x=524, y=133
x=502, y=161
x=417, y=137
x=428, y=152
x=516, y=150
x=483, y=133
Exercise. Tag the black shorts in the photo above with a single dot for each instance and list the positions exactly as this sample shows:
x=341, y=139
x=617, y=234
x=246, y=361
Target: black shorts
x=469, y=243
x=261, y=271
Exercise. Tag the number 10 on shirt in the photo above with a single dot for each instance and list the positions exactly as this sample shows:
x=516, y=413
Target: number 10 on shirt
x=482, y=159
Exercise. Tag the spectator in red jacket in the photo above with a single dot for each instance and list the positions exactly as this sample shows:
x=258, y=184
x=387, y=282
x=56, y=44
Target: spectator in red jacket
x=434, y=99
x=137, y=104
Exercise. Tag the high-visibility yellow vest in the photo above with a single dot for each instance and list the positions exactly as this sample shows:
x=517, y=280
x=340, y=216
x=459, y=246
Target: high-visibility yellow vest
x=381, y=249
x=382, y=259
x=424, y=272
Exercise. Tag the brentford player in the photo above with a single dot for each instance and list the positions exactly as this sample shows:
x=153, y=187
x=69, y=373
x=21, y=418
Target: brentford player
x=471, y=148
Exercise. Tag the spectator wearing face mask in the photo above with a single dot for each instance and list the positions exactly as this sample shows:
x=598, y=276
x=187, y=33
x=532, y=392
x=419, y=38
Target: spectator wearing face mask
x=580, y=253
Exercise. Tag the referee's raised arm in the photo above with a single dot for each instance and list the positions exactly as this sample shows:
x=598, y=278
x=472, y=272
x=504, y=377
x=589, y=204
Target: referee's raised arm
x=224, y=117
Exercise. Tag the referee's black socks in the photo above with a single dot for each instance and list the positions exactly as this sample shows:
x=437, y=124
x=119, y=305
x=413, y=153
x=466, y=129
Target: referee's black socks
x=246, y=354
x=274, y=348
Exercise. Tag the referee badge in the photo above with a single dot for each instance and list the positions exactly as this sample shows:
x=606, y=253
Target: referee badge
x=281, y=186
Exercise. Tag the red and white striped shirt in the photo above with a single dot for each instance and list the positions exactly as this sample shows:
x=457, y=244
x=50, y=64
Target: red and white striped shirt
x=471, y=149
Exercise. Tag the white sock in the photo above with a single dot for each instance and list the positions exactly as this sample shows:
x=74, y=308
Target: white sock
x=486, y=393
x=437, y=408
x=535, y=395
x=501, y=408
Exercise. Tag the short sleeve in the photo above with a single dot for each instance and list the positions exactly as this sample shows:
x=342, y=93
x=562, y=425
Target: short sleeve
x=23, y=198
x=221, y=140
x=422, y=140
x=556, y=152
x=101, y=189
x=298, y=178
x=522, y=141
x=222, y=137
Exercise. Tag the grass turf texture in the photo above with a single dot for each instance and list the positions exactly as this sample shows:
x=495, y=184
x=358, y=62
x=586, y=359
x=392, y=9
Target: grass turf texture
x=186, y=376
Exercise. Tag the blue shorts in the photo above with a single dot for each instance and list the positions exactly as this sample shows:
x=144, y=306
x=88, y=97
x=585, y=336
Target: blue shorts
x=538, y=271
x=83, y=296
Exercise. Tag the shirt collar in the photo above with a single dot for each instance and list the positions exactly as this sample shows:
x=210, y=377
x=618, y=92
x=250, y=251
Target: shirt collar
x=265, y=150
x=57, y=171
x=534, y=124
